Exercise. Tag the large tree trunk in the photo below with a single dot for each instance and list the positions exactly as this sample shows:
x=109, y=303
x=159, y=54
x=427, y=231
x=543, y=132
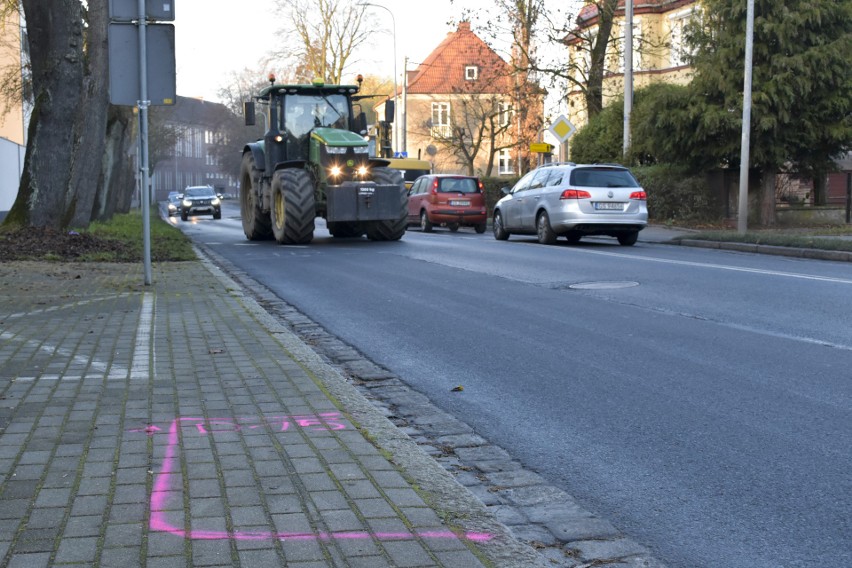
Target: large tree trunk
x=55, y=34
x=91, y=117
x=65, y=139
x=767, y=197
x=117, y=182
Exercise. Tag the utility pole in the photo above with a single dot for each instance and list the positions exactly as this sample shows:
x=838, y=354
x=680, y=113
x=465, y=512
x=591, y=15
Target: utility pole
x=742, y=211
x=405, y=107
x=628, y=74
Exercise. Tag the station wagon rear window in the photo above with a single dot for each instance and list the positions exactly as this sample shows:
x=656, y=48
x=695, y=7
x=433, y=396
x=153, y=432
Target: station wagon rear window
x=458, y=185
x=602, y=177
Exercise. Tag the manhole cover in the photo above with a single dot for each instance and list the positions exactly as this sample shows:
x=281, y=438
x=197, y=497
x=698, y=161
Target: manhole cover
x=602, y=285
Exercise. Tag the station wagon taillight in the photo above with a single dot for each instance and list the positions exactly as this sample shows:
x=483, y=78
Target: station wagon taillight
x=639, y=195
x=575, y=194
x=434, y=186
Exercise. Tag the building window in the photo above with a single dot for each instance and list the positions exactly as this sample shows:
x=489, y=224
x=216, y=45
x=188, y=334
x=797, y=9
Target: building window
x=471, y=73
x=679, y=52
x=504, y=162
x=441, y=127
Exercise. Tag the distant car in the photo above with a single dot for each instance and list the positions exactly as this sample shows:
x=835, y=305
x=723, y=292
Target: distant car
x=200, y=200
x=573, y=201
x=173, y=203
x=447, y=200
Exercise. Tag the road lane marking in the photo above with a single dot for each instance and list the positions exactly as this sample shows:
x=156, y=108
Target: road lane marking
x=728, y=267
x=143, y=353
x=64, y=307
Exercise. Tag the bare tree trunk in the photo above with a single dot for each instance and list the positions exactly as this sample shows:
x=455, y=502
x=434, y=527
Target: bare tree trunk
x=117, y=181
x=594, y=90
x=820, y=181
x=91, y=118
x=767, y=197
x=55, y=34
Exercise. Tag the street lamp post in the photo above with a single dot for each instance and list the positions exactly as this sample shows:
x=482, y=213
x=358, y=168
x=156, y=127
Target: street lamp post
x=395, y=111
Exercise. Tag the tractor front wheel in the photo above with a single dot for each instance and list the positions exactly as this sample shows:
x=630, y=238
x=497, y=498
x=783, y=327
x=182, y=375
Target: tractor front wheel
x=293, y=207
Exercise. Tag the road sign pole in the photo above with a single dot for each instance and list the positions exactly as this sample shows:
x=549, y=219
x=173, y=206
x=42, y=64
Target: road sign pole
x=143, y=132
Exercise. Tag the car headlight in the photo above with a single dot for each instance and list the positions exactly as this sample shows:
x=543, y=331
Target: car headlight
x=215, y=201
x=187, y=203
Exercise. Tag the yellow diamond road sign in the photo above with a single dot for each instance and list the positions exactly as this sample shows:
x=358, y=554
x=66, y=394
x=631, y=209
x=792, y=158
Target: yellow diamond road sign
x=562, y=128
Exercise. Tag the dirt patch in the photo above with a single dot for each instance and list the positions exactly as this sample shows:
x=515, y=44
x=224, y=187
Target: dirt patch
x=38, y=243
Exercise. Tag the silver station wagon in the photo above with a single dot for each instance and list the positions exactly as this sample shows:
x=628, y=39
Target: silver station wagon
x=574, y=201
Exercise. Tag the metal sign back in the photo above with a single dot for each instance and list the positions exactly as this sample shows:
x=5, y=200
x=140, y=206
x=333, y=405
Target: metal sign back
x=128, y=10
x=124, y=83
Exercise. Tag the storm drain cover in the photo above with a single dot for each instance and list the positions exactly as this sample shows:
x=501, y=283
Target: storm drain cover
x=603, y=285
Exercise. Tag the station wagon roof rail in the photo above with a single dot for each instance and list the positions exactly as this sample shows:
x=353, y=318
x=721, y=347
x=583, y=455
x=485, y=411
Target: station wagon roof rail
x=549, y=164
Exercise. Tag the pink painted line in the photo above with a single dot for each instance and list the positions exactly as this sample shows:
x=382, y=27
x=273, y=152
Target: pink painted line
x=162, y=488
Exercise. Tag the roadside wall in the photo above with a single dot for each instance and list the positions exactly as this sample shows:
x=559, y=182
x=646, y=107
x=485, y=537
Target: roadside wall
x=11, y=166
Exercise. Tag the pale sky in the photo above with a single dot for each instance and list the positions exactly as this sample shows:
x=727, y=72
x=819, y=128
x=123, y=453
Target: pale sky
x=217, y=37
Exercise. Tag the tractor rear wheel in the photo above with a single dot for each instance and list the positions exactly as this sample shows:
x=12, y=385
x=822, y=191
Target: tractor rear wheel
x=256, y=223
x=293, y=207
x=391, y=230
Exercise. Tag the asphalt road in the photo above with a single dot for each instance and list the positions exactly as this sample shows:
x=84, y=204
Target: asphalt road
x=700, y=400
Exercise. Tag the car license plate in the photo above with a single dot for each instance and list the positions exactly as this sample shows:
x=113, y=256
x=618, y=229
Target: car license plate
x=608, y=206
x=459, y=203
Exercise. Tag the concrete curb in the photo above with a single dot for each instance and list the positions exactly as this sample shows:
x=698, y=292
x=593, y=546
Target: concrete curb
x=813, y=254
x=445, y=494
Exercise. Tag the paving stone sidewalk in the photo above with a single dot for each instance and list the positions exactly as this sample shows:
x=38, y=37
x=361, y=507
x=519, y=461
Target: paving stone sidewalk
x=179, y=424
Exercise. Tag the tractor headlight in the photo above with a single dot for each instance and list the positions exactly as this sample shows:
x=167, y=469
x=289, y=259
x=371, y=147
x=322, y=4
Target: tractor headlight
x=335, y=171
x=363, y=171
x=335, y=149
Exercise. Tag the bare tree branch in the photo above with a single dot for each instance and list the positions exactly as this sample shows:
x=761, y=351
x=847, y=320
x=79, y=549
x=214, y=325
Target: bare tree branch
x=323, y=35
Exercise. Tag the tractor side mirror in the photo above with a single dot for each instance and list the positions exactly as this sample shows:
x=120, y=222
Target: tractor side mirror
x=248, y=112
x=390, y=110
x=361, y=123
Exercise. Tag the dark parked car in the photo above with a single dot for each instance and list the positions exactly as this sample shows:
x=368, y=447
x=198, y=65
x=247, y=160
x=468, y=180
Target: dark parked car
x=198, y=200
x=447, y=200
x=573, y=200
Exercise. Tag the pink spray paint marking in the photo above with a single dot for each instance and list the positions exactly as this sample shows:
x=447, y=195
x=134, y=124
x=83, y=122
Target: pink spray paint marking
x=168, y=480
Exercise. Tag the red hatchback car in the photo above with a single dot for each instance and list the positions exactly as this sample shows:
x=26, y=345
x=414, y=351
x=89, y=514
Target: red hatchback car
x=447, y=200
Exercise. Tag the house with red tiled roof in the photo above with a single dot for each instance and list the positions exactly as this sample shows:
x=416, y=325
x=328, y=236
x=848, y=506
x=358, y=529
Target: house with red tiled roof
x=659, y=51
x=458, y=108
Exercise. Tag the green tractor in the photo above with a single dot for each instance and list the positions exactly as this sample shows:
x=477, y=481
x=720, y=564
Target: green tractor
x=312, y=162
